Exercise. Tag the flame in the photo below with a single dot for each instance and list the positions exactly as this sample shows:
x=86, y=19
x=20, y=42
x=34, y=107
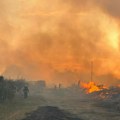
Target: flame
x=90, y=87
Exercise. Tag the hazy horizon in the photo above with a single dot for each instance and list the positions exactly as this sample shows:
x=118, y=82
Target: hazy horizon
x=57, y=40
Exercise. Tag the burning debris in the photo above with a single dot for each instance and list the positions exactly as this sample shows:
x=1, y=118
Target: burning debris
x=92, y=87
x=108, y=94
x=108, y=98
x=50, y=113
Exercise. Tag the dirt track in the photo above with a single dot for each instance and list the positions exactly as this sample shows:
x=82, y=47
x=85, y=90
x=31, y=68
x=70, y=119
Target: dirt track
x=86, y=109
x=50, y=113
x=81, y=107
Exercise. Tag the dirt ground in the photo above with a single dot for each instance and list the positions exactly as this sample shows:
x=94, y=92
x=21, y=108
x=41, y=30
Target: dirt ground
x=82, y=107
x=16, y=109
x=50, y=113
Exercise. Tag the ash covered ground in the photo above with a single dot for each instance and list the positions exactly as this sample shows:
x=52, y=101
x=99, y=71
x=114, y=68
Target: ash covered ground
x=74, y=104
x=64, y=104
x=50, y=113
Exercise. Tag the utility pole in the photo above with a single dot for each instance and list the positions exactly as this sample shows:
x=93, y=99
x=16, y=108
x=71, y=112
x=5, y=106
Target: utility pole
x=92, y=71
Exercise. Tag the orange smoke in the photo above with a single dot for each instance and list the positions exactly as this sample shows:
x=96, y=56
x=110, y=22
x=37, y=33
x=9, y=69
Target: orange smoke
x=90, y=87
x=55, y=40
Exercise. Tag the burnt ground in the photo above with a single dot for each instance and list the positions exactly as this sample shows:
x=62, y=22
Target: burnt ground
x=80, y=105
x=50, y=113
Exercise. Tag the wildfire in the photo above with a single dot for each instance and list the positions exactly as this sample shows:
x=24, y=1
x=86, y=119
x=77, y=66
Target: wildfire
x=90, y=87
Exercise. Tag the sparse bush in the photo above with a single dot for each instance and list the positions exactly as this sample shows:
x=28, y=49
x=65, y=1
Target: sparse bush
x=8, y=88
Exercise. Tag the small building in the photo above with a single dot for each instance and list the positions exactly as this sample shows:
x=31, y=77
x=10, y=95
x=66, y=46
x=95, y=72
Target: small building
x=40, y=84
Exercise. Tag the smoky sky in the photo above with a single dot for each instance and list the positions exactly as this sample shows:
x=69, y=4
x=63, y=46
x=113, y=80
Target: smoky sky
x=48, y=39
x=112, y=7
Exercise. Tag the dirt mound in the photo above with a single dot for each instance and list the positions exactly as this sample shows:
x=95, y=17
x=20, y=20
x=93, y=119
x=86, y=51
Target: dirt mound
x=50, y=113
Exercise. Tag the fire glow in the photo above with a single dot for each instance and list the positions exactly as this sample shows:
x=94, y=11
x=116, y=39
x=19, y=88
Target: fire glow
x=90, y=87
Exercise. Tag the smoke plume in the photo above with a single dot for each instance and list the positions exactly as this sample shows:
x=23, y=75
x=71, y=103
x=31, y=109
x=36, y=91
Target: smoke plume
x=52, y=38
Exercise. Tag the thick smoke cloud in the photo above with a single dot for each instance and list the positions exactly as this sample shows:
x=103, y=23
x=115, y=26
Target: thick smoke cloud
x=48, y=39
x=112, y=7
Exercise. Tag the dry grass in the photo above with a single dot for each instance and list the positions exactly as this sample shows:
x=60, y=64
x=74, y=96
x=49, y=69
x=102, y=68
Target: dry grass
x=16, y=109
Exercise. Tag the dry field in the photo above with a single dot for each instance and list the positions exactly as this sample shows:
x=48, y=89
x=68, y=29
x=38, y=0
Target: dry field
x=82, y=107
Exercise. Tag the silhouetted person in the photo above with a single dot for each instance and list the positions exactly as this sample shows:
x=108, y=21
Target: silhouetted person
x=55, y=87
x=25, y=91
x=60, y=85
x=79, y=83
